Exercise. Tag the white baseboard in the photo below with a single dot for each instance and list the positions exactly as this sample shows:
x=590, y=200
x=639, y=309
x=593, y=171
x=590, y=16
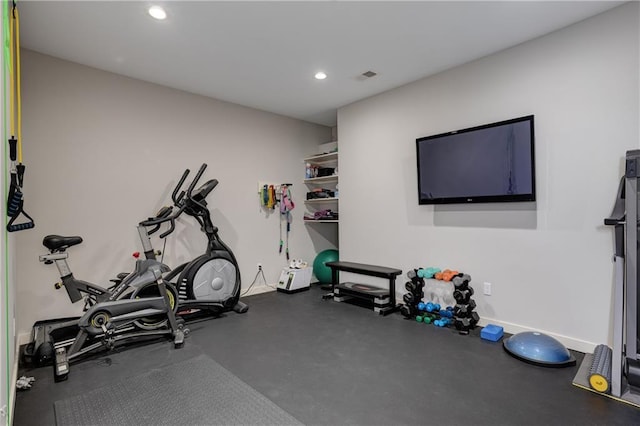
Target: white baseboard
x=569, y=342
x=260, y=289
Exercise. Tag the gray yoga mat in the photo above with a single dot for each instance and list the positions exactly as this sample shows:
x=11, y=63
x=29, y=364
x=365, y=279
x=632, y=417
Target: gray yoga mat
x=198, y=391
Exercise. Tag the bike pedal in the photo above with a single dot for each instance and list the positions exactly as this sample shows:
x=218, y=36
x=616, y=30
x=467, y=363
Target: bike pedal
x=178, y=339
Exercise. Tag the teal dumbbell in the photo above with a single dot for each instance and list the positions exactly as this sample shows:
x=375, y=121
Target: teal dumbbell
x=427, y=272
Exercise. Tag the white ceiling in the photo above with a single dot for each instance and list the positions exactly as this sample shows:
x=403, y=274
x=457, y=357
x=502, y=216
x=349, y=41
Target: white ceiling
x=264, y=54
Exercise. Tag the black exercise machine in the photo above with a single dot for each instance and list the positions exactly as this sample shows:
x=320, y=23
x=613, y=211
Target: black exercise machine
x=616, y=371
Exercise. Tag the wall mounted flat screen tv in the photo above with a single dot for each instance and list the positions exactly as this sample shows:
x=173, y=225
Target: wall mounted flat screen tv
x=484, y=164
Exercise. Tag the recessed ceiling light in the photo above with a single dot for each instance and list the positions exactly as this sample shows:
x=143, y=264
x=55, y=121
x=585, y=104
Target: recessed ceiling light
x=157, y=12
x=320, y=75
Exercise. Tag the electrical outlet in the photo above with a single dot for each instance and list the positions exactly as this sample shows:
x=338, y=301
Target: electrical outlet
x=259, y=265
x=487, y=289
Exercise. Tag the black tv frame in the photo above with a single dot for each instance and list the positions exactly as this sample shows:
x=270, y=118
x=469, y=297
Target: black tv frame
x=508, y=198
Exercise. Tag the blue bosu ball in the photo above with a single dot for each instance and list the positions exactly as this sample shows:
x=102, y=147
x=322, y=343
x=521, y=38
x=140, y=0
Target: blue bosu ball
x=540, y=349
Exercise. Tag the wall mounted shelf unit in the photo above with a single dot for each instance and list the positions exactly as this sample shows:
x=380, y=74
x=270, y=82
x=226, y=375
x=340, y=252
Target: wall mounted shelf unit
x=330, y=182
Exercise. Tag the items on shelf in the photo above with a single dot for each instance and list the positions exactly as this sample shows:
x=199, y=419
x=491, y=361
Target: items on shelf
x=318, y=193
x=318, y=171
x=326, y=214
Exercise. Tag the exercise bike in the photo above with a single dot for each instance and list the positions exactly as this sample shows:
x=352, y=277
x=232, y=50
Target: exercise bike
x=142, y=304
x=211, y=281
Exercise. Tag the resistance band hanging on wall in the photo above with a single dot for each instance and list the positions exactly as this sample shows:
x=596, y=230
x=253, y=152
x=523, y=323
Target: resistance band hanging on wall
x=270, y=197
x=286, y=205
x=15, y=201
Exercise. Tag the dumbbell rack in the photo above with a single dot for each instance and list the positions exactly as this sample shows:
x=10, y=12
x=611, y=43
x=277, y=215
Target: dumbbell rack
x=464, y=316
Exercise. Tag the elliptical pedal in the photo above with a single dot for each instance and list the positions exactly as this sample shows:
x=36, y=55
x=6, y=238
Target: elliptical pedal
x=240, y=307
x=61, y=365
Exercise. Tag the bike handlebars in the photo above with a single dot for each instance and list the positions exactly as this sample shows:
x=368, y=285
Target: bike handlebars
x=162, y=213
x=172, y=226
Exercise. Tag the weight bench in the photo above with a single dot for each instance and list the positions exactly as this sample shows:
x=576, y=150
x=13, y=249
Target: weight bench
x=383, y=300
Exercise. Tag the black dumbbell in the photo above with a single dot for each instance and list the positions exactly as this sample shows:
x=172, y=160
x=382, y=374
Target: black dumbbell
x=413, y=276
x=464, y=310
x=474, y=318
x=409, y=286
x=463, y=296
x=459, y=284
x=461, y=281
x=409, y=298
x=407, y=311
x=463, y=325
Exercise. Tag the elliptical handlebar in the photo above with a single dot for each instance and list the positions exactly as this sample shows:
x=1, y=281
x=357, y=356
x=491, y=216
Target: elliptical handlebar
x=167, y=214
x=196, y=179
x=176, y=199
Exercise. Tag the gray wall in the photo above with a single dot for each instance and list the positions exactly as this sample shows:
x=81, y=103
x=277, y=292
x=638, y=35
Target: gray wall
x=103, y=152
x=549, y=262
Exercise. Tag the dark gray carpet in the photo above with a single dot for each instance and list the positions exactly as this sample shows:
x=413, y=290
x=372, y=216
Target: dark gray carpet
x=194, y=392
x=329, y=363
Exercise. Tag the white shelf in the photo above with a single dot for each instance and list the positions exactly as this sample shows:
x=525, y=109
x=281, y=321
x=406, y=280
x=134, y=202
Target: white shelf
x=322, y=158
x=321, y=200
x=323, y=179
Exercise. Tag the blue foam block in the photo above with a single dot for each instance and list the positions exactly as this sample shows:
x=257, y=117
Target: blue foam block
x=492, y=332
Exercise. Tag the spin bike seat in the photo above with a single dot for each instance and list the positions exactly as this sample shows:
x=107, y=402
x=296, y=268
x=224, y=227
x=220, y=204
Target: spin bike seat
x=58, y=242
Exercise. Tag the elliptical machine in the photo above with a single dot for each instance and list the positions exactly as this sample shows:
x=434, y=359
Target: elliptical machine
x=211, y=281
x=125, y=311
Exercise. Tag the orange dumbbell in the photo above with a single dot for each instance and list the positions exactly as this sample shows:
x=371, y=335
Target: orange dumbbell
x=448, y=275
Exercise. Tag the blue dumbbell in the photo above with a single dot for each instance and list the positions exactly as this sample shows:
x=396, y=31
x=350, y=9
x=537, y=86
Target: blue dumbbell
x=446, y=313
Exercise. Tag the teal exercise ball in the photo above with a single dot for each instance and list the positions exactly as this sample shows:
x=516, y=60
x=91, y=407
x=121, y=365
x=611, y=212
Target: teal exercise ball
x=320, y=269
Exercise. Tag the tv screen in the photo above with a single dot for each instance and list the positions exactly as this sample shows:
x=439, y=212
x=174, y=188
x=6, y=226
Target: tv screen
x=484, y=164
